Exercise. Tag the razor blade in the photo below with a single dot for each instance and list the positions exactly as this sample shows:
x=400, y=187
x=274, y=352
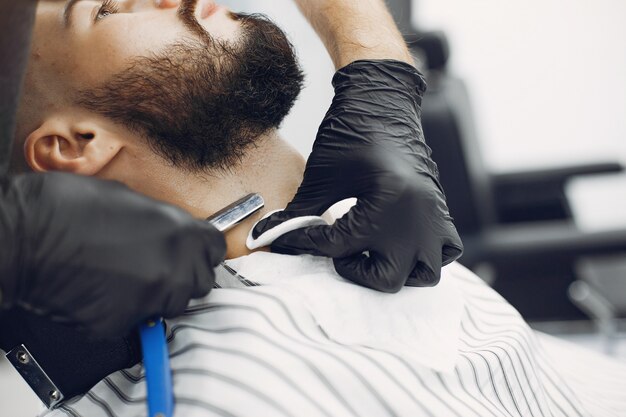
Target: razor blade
x=235, y=213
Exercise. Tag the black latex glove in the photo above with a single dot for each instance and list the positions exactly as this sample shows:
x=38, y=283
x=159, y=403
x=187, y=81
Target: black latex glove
x=371, y=146
x=97, y=255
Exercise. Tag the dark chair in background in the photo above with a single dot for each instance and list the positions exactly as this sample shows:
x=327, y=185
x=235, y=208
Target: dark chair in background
x=517, y=228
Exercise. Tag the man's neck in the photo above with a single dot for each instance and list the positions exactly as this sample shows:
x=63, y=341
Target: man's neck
x=271, y=168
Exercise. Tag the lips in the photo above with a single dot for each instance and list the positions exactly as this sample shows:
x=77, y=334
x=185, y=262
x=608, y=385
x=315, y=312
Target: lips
x=207, y=8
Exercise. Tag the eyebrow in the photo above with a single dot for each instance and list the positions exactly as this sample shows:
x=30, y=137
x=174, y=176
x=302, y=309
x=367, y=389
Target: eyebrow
x=67, y=11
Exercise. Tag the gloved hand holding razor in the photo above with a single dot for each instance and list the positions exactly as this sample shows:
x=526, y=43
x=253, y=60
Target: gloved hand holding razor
x=98, y=255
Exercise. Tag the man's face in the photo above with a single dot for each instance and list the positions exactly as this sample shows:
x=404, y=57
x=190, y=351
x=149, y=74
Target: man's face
x=197, y=82
x=86, y=41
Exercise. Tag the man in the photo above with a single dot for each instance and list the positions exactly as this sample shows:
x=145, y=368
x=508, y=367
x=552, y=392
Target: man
x=172, y=118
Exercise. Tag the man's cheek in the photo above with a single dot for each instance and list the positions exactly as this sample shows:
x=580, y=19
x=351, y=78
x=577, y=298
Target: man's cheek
x=142, y=34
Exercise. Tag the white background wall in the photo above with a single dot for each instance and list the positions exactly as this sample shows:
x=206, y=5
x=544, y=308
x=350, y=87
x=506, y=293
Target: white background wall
x=547, y=77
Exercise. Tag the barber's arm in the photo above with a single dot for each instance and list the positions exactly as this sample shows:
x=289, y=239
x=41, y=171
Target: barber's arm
x=355, y=30
x=370, y=145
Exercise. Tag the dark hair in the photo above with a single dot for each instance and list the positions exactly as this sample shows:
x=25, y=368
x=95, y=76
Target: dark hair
x=201, y=105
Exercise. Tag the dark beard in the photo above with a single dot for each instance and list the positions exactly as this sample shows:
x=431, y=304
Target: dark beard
x=200, y=105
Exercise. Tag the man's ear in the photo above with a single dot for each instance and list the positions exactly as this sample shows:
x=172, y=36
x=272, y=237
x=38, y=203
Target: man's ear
x=65, y=143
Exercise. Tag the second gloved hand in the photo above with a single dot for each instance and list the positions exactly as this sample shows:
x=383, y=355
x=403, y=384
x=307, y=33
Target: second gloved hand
x=371, y=146
x=95, y=254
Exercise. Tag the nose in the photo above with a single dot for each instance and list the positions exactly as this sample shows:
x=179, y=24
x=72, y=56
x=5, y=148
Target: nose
x=166, y=4
x=142, y=5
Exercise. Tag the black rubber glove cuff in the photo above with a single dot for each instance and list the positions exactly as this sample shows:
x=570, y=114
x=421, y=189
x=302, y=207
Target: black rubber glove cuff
x=380, y=81
x=383, y=72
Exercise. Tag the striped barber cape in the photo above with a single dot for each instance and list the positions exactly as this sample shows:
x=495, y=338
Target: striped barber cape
x=258, y=350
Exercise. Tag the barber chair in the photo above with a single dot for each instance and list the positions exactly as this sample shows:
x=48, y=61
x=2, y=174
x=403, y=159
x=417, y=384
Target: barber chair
x=517, y=228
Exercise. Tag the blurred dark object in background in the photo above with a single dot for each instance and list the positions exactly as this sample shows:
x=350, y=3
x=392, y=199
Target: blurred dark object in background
x=517, y=228
x=600, y=293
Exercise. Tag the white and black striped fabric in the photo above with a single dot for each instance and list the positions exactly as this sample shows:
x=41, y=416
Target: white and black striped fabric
x=250, y=350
